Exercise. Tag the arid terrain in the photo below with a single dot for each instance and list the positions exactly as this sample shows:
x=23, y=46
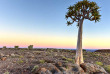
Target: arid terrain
x=25, y=61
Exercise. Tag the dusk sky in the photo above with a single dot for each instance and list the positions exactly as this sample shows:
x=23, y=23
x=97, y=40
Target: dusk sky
x=42, y=23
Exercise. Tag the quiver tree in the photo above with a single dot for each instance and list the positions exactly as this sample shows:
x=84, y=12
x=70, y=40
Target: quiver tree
x=77, y=13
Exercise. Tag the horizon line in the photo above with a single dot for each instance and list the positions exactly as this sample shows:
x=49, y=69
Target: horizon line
x=58, y=48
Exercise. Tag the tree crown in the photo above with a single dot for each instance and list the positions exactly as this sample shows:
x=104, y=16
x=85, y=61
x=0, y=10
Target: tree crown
x=83, y=10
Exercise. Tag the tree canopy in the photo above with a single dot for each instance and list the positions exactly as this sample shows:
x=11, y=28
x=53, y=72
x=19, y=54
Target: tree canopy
x=83, y=10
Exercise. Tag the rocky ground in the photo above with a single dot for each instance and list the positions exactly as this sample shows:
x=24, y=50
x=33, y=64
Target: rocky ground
x=25, y=61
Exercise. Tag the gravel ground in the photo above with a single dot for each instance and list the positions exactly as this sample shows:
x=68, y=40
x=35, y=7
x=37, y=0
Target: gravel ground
x=22, y=61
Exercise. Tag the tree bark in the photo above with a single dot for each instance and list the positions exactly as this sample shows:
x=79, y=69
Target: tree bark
x=79, y=52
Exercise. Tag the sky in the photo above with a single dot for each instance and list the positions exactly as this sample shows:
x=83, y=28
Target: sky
x=42, y=23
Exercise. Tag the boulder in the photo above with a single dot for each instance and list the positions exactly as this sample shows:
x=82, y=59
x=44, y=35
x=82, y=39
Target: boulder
x=92, y=68
x=47, y=68
x=3, y=58
x=68, y=68
x=1, y=54
x=74, y=69
x=13, y=55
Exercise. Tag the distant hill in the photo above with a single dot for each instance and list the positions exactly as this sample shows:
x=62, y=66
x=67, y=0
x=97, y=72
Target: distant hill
x=103, y=50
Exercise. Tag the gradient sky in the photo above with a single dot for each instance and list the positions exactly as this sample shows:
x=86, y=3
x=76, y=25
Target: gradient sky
x=42, y=23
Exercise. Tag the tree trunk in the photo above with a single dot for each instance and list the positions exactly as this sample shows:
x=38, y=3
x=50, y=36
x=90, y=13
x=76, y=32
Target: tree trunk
x=79, y=52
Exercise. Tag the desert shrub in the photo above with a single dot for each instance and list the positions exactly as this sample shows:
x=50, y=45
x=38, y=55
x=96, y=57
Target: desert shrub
x=84, y=58
x=20, y=56
x=35, y=67
x=4, y=47
x=94, y=54
x=64, y=58
x=6, y=72
x=68, y=59
x=42, y=61
x=84, y=50
x=99, y=63
x=107, y=68
x=73, y=61
x=20, y=61
x=16, y=47
x=30, y=47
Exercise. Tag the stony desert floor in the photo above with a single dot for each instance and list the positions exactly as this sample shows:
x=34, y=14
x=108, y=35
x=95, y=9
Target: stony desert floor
x=24, y=61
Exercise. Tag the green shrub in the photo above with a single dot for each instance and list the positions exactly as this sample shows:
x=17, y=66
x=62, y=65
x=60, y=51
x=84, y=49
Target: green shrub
x=68, y=59
x=107, y=68
x=30, y=47
x=20, y=56
x=20, y=61
x=6, y=72
x=16, y=47
x=84, y=50
x=73, y=61
x=4, y=47
x=42, y=61
x=99, y=63
x=64, y=58
x=35, y=67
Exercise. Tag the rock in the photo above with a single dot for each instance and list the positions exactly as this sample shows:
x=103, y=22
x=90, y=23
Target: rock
x=31, y=56
x=58, y=64
x=44, y=71
x=75, y=69
x=47, y=68
x=62, y=68
x=3, y=58
x=13, y=55
x=93, y=68
x=7, y=55
x=48, y=72
x=1, y=54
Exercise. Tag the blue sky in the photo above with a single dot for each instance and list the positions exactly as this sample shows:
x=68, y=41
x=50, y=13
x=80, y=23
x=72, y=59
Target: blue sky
x=47, y=18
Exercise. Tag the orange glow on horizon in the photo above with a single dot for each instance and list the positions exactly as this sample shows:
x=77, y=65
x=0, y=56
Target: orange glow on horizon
x=52, y=41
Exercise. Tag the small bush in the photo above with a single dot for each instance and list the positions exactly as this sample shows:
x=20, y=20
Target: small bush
x=16, y=47
x=20, y=61
x=84, y=50
x=4, y=47
x=68, y=59
x=35, y=67
x=42, y=61
x=6, y=72
x=64, y=58
x=107, y=68
x=99, y=63
x=21, y=56
x=30, y=47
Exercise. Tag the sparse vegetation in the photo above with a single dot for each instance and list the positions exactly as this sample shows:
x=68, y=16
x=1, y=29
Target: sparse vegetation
x=20, y=61
x=6, y=72
x=35, y=67
x=42, y=61
x=44, y=57
x=99, y=63
x=84, y=50
x=16, y=47
x=20, y=56
x=30, y=47
x=68, y=59
x=4, y=47
x=107, y=68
